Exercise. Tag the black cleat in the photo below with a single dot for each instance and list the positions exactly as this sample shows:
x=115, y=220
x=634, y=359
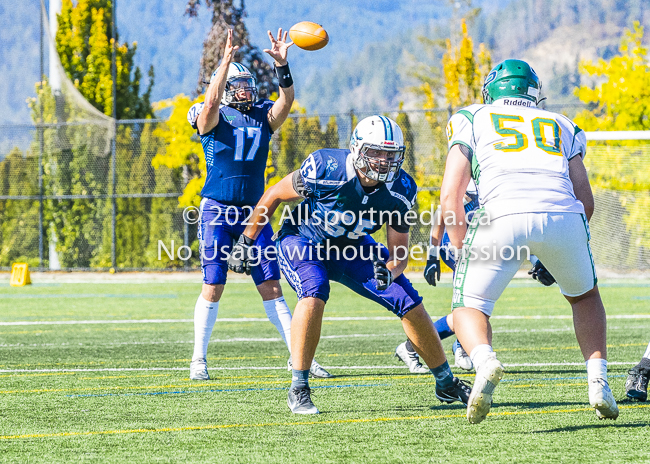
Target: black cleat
x=460, y=391
x=299, y=401
x=636, y=385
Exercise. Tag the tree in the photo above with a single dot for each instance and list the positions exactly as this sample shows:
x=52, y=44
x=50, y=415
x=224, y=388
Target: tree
x=227, y=15
x=76, y=161
x=84, y=42
x=19, y=226
x=459, y=85
x=181, y=149
x=620, y=100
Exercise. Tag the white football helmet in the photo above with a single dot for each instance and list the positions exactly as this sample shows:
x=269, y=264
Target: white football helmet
x=239, y=77
x=194, y=112
x=377, y=144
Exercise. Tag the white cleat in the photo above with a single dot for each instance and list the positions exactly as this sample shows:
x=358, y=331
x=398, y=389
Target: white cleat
x=199, y=370
x=462, y=358
x=316, y=370
x=411, y=359
x=487, y=378
x=602, y=400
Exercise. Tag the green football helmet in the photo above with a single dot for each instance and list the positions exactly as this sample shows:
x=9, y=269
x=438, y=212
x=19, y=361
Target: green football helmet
x=511, y=78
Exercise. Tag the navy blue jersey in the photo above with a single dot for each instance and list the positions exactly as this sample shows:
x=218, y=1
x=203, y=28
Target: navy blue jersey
x=336, y=206
x=235, y=155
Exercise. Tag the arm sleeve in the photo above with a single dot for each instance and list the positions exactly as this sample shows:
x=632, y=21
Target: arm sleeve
x=406, y=200
x=574, y=139
x=299, y=184
x=460, y=132
x=579, y=144
x=305, y=179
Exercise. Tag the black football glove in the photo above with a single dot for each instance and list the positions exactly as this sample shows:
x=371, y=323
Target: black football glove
x=541, y=274
x=432, y=270
x=383, y=276
x=242, y=255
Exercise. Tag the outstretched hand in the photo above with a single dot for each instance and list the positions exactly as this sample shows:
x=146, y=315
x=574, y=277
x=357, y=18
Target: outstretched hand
x=279, y=47
x=229, y=50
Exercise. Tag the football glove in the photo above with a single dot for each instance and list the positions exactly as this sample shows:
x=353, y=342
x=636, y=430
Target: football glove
x=432, y=270
x=383, y=276
x=541, y=274
x=241, y=255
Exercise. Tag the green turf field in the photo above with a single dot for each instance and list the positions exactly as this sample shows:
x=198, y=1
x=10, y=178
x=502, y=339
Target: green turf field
x=118, y=390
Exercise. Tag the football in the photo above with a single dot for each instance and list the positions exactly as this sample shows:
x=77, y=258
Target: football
x=308, y=35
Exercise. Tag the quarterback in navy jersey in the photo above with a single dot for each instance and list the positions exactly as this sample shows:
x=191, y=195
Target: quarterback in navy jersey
x=347, y=195
x=235, y=129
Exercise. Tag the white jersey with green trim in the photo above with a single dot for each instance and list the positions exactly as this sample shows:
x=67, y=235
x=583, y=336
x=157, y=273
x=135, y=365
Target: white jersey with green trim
x=520, y=156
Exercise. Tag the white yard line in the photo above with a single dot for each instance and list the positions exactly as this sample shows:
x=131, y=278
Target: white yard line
x=263, y=319
x=274, y=368
x=277, y=339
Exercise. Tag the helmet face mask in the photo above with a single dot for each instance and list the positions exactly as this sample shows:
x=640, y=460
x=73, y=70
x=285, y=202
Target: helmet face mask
x=511, y=78
x=378, y=146
x=241, y=89
x=380, y=164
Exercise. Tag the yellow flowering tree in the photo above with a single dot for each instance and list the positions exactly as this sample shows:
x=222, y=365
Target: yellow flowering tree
x=620, y=101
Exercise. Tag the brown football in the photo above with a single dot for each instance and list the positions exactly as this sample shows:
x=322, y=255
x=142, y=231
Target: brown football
x=308, y=35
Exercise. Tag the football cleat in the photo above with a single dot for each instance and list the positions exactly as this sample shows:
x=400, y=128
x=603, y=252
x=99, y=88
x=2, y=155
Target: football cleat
x=199, y=370
x=636, y=385
x=602, y=400
x=462, y=358
x=316, y=370
x=411, y=359
x=460, y=391
x=488, y=376
x=299, y=401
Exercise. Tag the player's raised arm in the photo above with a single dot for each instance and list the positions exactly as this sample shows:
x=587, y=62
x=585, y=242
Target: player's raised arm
x=278, y=51
x=454, y=183
x=209, y=117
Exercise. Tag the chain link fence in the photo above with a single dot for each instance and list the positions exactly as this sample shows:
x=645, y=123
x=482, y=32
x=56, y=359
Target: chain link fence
x=69, y=201
x=78, y=190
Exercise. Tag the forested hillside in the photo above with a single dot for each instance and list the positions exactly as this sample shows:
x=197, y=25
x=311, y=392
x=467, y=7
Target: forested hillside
x=371, y=56
x=554, y=35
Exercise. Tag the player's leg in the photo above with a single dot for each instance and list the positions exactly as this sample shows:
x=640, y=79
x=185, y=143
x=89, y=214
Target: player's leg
x=266, y=276
x=404, y=301
x=406, y=353
x=307, y=275
x=205, y=316
x=565, y=247
x=636, y=385
x=482, y=275
x=213, y=236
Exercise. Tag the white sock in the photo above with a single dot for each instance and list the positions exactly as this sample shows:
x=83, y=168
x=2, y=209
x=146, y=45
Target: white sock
x=279, y=314
x=647, y=352
x=205, y=315
x=596, y=369
x=480, y=354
